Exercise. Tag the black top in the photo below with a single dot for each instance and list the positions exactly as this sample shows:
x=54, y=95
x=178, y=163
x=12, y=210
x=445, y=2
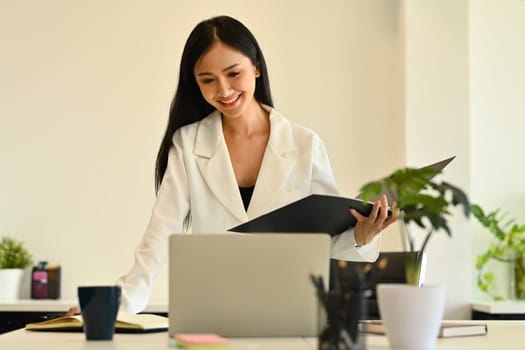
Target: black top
x=246, y=195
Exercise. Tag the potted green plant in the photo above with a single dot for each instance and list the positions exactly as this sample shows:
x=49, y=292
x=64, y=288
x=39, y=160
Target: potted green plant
x=428, y=204
x=507, y=246
x=424, y=202
x=14, y=258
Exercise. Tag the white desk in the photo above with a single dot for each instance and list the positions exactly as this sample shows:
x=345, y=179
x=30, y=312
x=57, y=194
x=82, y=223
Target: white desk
x=502, y=335
x=25, y=340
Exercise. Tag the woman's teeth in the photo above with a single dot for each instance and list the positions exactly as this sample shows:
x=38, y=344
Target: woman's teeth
x=227, y=102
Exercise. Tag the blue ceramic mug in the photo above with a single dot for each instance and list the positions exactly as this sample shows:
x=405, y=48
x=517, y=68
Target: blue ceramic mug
x=99, y=307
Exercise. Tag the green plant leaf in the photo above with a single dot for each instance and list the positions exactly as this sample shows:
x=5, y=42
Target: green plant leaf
x=458, y=197
x=477, y=211
x=371, y=189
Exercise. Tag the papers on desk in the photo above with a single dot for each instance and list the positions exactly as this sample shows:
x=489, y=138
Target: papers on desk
x=447, y=330
x=126, y=323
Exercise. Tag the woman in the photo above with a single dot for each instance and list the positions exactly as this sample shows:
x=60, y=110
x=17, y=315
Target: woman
x=227, y=156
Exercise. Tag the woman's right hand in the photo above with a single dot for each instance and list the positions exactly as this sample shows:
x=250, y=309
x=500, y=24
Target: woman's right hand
x=368, y=227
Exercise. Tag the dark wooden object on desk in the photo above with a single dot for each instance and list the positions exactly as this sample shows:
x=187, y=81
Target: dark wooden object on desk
x=11, y=320
x=394, y=272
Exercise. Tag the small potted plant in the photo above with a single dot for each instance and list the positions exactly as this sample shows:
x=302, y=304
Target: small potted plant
x=427, y=203
x=14, y=258
x=508, y=246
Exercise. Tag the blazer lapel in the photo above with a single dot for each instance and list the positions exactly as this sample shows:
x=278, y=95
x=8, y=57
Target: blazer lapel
x=215, y=166
x=279, y=159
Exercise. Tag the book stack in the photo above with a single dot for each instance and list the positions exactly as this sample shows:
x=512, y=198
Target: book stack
x=447, y=330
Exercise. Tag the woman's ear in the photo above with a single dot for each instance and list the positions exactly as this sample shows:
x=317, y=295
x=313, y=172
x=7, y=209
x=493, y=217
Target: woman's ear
x=258, y=70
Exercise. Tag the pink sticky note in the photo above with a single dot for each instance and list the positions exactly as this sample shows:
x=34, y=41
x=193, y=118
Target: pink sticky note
x=200, y=338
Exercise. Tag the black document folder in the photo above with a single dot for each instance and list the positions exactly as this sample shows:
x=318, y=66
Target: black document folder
x=315, y=213
x=318, y=213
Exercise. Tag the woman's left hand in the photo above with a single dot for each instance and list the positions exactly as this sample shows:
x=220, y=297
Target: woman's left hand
x=368, y=227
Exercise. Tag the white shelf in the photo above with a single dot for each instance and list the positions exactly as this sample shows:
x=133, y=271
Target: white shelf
x=500, y=307
x=60, y=305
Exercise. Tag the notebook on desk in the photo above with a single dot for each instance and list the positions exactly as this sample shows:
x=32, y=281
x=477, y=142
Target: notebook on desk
x=239, y=285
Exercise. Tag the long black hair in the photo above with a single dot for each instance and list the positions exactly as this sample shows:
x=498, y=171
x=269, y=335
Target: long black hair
x=188, y=105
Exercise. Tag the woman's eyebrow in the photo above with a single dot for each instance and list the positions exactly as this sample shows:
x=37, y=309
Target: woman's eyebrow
x=230, y=67
x=224, y=70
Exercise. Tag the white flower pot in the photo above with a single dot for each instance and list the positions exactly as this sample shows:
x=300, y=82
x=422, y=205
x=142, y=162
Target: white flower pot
x=411, y=315
x=10, y=280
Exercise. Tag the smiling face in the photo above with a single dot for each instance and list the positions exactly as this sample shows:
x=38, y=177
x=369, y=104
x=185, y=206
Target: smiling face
x=226, y=79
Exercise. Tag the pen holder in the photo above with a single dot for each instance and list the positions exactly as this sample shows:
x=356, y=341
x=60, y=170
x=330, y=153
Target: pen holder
x=341, y=312
x=45, y=282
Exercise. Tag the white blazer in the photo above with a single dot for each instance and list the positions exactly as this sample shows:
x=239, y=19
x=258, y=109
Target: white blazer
x=199, y=187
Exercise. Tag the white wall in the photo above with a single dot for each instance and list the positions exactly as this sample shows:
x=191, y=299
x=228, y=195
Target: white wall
x=463, y=96
x=497, y=77
x=84, y=94
x=437, y=126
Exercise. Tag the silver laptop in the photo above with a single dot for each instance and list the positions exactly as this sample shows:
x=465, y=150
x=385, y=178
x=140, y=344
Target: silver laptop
x=246, y=285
